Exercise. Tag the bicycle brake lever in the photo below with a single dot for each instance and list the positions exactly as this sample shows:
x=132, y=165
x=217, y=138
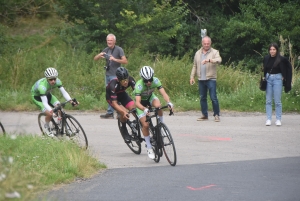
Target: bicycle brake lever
x=171, y=113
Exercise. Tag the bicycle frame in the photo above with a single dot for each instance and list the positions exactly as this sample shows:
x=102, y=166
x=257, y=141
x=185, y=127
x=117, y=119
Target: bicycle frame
x=156, y=129
x=64, y=123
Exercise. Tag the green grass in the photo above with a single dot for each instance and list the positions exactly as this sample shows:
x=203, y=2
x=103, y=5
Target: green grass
x=30, y=164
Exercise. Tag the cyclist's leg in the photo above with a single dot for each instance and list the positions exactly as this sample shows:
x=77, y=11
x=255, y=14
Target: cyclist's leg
x=38, y=101
x=145, y=127
x=46, y=127
x=155, y=102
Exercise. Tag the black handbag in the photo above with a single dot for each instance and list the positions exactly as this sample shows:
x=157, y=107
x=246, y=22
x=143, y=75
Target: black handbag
x=263, y=84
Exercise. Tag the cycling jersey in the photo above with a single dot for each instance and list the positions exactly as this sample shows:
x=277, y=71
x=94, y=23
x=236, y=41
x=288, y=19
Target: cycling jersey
x=144, y=91
x=42, y=87
x=41, y=94
x=116, y=92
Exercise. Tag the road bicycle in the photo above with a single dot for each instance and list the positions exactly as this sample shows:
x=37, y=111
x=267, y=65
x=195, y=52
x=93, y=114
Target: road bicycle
x=160, y=136
x=63, y=124
x=133, y=128
x=2, y=131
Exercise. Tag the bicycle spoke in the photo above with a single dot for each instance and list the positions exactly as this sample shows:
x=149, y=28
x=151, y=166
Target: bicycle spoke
x=75, y=132
x=42, y=122
x=135, y=144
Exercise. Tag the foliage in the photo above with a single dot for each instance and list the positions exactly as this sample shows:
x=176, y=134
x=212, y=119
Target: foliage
x=146, y=24
x=240, y=29
x=11, y=10
x=83, y=78
x=30, y=163
x=256, y=25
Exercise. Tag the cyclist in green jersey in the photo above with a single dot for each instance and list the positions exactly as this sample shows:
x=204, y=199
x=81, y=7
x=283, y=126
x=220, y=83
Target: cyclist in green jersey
x=144, y=97
x=42, y=97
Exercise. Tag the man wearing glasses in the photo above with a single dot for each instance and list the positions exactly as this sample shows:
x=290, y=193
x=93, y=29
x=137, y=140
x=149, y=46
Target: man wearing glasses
x=42, y=97
x=117, y=97
x=144, y=97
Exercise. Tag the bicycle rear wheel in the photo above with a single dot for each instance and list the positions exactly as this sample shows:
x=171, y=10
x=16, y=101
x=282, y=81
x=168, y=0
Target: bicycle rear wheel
x=168, y=147
x=42, y=122
x=74, y=130
x=2, y=131
x=135, y=144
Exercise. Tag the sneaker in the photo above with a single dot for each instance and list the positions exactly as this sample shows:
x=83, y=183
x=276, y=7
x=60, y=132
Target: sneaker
x=125, y=134
x=278, y=123
x=217, y=118
x=203, y=118
x=69, y=132
x=150, y=153
x=268, y=122
x=107, y=116
x=48, y=132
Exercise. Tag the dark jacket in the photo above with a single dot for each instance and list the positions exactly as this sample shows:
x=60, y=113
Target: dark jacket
x=286, y=71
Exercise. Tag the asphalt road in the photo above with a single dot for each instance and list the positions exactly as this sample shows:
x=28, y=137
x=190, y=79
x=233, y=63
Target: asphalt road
x=238, y=158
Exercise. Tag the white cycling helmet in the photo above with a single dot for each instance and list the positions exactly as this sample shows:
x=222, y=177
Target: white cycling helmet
x=146, y=72
x=51, y=73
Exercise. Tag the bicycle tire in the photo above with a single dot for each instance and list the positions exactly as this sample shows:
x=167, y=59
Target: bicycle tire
x=156, y=153
x=42, y=122
x=135, y=144
x=156, y=149
x=75, y=132
x=169, y=146
x=2, y=130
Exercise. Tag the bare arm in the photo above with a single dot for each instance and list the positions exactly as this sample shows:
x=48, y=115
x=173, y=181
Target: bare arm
x=123, y=60
x=98, y=56
x=122, y=110
x=138, y=103
x=164, y=94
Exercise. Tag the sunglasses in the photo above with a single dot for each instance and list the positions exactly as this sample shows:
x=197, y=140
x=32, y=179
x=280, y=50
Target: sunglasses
x=51, y=79
x=150, y=80
x=124, y=80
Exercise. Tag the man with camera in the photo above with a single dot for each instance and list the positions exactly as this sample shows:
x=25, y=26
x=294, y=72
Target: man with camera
x=114, y=56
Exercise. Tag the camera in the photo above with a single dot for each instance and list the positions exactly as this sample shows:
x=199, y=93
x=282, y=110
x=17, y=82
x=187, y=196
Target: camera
x=106, y=68
x=106, y=56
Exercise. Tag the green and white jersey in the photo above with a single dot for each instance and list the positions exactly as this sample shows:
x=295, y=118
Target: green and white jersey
x=42, y=87
x=141, y=89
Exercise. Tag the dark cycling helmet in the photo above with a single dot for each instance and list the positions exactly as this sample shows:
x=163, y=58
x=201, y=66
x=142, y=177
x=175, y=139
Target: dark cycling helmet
x=51, y=73
x=146, y=72
x=122, y=73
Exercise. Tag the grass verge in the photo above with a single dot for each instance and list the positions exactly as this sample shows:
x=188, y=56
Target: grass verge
x=30, y=164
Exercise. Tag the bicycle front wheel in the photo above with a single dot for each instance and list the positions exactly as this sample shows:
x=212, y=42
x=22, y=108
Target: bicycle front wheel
x=2, y=131
x=168, y=147
x=135, y=144
x=74, y=130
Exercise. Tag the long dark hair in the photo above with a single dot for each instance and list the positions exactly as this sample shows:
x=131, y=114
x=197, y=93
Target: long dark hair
x=278, y=57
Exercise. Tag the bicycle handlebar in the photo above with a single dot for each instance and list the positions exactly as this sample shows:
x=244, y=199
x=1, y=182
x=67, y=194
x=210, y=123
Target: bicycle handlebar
x=60, y=106
x=161, y=108
x=155, y=112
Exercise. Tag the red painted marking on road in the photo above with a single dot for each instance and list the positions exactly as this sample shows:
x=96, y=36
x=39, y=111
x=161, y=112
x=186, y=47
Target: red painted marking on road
x=201, y=188
x=219, y=138
x=212, y=138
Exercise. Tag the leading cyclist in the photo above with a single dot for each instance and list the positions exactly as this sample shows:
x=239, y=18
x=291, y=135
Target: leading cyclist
x=42, y=97
x=144, y=97
x=117, y=97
